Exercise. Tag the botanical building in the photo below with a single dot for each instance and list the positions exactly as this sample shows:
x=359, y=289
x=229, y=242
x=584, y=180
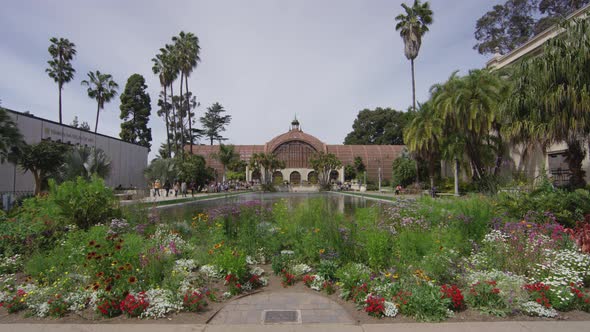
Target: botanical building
x=296, y=147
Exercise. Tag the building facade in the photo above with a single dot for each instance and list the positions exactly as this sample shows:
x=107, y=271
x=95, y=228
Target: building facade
x=128, y=161
x=296, y=147
x=530, y=160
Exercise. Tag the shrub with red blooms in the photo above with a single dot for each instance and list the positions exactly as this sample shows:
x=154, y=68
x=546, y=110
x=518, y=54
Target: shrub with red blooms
x=454, y=293
x=581, y=299
x=329, y=287
x=109, y=308
x=359, y=293
x=581, y=234
x=308, y=279
x=375, y=305
x=134, y=305
x=486, y=297
x=402, y=298
x=538, y=293
x=194, y=301
x=17, y=303
x=255, y=281
x=57, y=306
x=233, y=283
x=288, y=279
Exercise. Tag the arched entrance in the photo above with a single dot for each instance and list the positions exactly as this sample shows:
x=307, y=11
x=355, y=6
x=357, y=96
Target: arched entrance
x=277, y=177
x=334, y=176
x=295, y=178
x=256, y=175
x=312, y=177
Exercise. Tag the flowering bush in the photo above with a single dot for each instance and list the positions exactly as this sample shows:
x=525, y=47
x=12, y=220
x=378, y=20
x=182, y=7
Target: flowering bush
x=211, y=271
x=133, y=305
x=485, y=297
x=232, y=281
x=329, y=287
x=300, y=269
x=287, y=278
x=375, y=305
x=162, y=302
x=533, y=308
x=581, y=300
x=194, y=301
x=109, y=307
x=538, y=293
x=453, y=293
x=308, y=279
x=561, y=267
x=58, y=306
x=581, y=234
x=10, y=264
x=17, y=303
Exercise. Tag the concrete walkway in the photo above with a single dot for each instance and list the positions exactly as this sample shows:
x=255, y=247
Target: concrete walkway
x=311, y=308
x=536, y=326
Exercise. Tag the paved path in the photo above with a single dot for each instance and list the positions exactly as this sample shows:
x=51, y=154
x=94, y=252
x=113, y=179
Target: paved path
x=536, y=326
x=313, y=308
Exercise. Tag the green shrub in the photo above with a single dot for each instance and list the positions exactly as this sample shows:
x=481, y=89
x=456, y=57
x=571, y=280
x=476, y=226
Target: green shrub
x=426, y=304
x=404, y=171
x=85, y=203
x=352, y=275
x=232, y=262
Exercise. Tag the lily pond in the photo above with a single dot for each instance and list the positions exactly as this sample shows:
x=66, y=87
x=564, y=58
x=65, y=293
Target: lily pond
x=425, y=259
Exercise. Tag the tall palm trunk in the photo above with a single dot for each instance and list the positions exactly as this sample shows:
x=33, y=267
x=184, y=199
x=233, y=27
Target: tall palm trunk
x=413, y=87
x=97, y=113
x=59, y=86
x=167, y=123
x=190, y=126
x=456, y=175
x=181, y=113
x=175, y=119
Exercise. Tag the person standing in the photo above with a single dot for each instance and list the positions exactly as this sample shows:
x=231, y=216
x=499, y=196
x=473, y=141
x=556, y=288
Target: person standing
x=167, y=187
x=176, y=188
x=183, y=188
x=157, y=188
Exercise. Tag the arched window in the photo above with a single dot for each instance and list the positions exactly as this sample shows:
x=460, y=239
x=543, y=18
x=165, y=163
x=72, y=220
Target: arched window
x=312, y=177
x=295, y=154
x=277, y=177
x=295, y=178
x=334, y=175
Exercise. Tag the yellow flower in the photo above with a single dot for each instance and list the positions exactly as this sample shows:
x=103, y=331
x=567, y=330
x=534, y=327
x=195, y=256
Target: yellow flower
x=529, y=225
x=387, y=275
x=322, y=251
x=317, y=230
x=395, y=276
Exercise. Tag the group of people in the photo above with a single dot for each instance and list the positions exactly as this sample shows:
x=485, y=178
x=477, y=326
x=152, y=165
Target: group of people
x=178, y=187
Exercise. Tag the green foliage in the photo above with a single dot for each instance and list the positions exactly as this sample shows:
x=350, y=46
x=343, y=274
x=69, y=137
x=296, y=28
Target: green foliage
x=11, y=140
x=62, y=53
x=232, y=262
x=85, y=203
x=323, y=164
x=352, y=275
x=381, y=126
x=214, y=122
x=163, y=169
x=135, y=112
x=568, y=207
x=426, y=304
x=486, y=297
x=404, y=171
x=42, y=159
x=193, y=168
x=85, y=161
x=102, y=88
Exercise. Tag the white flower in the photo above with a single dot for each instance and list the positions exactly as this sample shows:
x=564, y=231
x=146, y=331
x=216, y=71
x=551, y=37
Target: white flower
x=317, y=283
x=250, y=260
x=211, y=271
x=300, y=269
x=162, y=302
x=535, y=309
x=390, y=309
x=257, y=271
x=287, y=252
x=226, y=295
x=184, y=266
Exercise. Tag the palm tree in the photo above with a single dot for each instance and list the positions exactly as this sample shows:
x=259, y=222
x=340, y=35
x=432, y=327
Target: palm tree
x=412, y=26
x=423, y=137
x=470, y=105
x=187, y=48
x=60, y=67
x=159, y=68
x=102, y=88
x=267, y=162
x=11, y=140
x=226, y=155
x=85, y=161
x=161, y=169
x=170, y=63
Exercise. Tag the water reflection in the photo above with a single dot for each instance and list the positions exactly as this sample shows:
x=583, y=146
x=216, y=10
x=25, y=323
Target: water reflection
x=342, y=203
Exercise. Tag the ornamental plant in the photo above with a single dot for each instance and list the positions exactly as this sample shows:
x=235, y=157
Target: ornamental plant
x=329, y=286
x=287, y=278
x=232, y=281
x=375, y=305
x=194, y=301
x=109, y=307
x=538, y=293
x=134, y=304
x=485, y=297
x=308, y=279
x=17, y=303
x=58, y=306
x=453, y=293
x=581, y=298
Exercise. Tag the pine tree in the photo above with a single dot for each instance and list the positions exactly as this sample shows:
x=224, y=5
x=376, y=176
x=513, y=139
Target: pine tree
x=135, y=111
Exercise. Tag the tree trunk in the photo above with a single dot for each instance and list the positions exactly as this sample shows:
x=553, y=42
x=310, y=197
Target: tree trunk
x=211, y=138
x=59, y=86
x=174, y=124
x=190, y=126
x=413, y=87
x=97, y=112
x=181, y=114
x=167, y=123
x=456, y=175
x=37, y=178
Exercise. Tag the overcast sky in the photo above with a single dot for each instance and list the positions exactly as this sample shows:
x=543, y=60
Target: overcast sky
x=264, y=61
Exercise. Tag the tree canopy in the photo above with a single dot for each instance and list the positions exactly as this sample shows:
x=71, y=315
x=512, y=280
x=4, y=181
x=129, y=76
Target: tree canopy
x=11, y=140
x=324, y=163
x=42, y=159
x=62, y=53
x=381, y=126
x=102, y=88
x=509, y=25
x=214, y=122
x=135, y=112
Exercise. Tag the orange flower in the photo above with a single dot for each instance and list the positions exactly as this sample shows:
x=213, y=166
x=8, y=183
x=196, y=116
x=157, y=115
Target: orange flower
x=132, y=280
x=91, y=243
x=100, y=274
